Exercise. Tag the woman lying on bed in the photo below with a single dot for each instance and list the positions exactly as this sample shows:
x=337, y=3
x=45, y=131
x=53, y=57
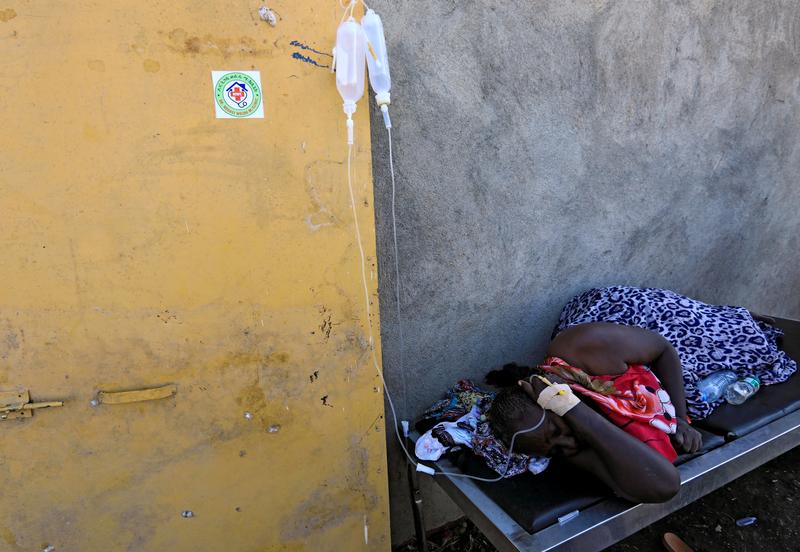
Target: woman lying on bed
x=617, y=397
x=634, y=455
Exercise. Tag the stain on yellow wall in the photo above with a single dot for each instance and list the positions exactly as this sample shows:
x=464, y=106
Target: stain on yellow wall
x=145, y=242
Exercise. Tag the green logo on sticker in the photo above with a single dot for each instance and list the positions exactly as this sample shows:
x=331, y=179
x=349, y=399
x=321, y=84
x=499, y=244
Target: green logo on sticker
x=237, y=94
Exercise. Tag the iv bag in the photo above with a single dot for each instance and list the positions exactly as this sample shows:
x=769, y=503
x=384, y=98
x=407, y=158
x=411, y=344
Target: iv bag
x=350, y=53
x=377, y=58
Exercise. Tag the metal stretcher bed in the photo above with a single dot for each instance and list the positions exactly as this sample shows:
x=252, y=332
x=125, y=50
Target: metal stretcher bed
x=565, y=510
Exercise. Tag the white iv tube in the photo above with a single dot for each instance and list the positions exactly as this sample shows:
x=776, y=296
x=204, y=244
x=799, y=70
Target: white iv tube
x=352, y=42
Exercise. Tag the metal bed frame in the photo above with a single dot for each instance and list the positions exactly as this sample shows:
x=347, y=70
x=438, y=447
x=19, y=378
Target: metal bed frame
x=610, y=520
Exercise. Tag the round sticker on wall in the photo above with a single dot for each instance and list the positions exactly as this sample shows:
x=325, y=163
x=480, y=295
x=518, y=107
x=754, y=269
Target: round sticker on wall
x=238, y=94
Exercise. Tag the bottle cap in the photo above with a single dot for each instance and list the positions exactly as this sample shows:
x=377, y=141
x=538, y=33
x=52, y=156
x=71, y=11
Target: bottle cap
x=753, y=380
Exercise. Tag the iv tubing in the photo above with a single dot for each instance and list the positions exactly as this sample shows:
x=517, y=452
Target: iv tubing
x=397, y=276
x=419, y=466
x=366, y=303
x=351, y=6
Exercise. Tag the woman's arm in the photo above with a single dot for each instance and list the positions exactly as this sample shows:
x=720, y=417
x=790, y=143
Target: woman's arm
x=667, y=368
x=602, y=348
x=632, y=469
x=657, y=352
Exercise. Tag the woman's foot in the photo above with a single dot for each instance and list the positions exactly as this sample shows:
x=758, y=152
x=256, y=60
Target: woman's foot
x=674, y=543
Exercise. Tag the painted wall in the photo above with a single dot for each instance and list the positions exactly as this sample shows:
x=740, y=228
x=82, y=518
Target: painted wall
x=145, y=242
x=546, y=147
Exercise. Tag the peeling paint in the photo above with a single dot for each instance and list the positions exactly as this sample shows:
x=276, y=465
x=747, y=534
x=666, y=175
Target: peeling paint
x=184, y=43
x=7, y=15
x=314, y=227
x=322, y=511
x=151, y=66
x=268, y=15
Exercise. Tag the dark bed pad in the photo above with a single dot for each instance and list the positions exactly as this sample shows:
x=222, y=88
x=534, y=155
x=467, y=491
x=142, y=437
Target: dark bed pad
x=770, y=403
x=537, y=501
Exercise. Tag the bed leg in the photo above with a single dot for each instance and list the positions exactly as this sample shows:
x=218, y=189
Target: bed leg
x=416, y=503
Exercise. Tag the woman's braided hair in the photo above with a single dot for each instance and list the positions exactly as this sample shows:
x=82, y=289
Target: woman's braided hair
x=511, y=402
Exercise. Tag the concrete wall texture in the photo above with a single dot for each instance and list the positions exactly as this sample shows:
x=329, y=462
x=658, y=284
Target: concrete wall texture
x=546, y=147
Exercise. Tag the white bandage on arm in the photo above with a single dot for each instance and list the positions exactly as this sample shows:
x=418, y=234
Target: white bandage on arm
x=558, y=398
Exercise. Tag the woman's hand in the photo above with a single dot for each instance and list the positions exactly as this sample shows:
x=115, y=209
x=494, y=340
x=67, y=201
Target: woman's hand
x=556, y=397
x=533, y=385
x=686, y=437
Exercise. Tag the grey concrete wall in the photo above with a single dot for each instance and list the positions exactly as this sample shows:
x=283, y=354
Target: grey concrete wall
x=545, y=147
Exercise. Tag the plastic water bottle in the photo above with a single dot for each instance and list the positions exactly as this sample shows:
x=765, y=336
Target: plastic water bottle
x=741, y=390
x=713, y=386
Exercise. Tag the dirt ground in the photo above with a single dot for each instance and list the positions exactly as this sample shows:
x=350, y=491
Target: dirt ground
x=771, y=493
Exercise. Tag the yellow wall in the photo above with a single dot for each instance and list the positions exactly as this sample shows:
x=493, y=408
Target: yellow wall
x=144, y=242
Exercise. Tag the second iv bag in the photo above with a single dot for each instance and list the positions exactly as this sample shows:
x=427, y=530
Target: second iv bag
x=377, y=59
x=349, y=64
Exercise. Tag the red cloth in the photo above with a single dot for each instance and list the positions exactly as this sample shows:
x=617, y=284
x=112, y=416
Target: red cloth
x=634, y=401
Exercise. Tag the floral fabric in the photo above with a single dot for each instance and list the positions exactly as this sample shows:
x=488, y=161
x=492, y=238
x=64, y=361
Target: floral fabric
x=634, y=401
x=458, y=401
